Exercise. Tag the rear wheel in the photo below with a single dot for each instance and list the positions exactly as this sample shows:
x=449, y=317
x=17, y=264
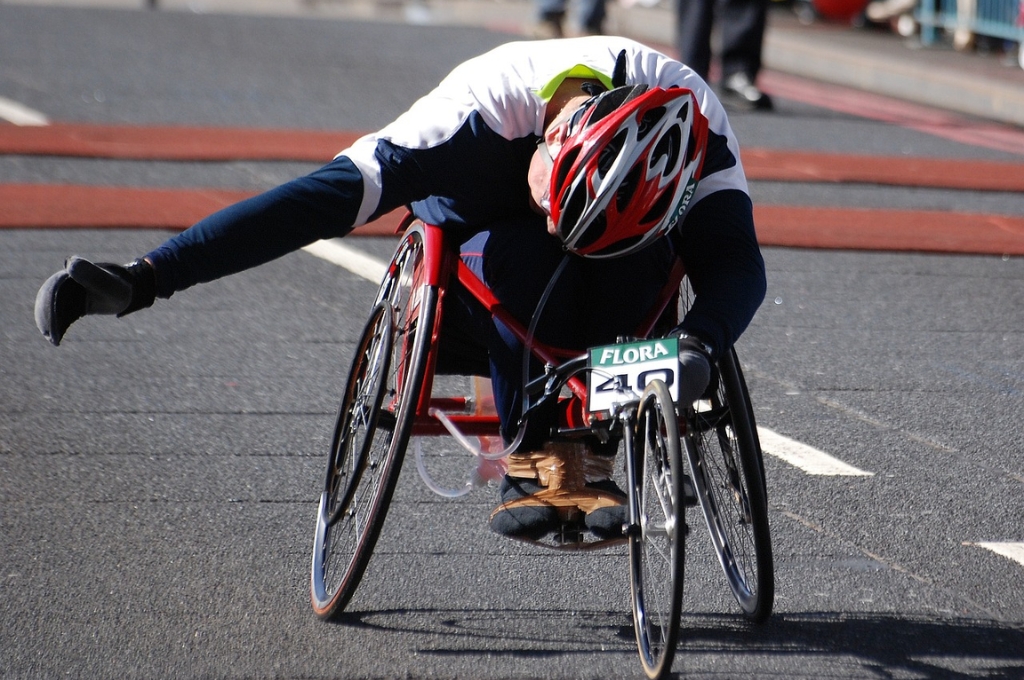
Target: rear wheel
x=656, y=543
x=725, y=457
x=372, y=429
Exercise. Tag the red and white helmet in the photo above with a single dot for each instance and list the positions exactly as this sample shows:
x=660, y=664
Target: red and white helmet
x=627, y=169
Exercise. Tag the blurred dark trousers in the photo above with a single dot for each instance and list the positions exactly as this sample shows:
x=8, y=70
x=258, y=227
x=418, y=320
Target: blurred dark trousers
x=742, y=24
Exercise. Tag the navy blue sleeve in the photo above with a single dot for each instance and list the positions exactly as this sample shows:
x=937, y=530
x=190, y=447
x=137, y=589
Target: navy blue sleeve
x=320, y=205
x=719, y=248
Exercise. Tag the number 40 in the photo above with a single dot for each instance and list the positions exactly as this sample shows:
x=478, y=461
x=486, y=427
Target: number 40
x=621, y=381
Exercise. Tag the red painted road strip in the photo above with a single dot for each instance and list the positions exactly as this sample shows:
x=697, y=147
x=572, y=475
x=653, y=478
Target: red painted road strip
x=227, y=144
x=76, y=206
x=897, y=230
x=809, y=166
x=63, y=206
x=925, y=119
x=172, y=143
x=34, y=206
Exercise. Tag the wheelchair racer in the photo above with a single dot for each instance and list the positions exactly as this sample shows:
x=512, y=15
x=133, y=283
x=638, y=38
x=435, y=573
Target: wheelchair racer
x=598, y=147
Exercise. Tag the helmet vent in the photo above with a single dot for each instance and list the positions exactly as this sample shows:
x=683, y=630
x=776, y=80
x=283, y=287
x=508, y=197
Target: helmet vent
x=565, y=165
x=691, y=147
x=668, y=148
x=610, y=152
x=573, y=207
x=595, y=231
x=649, y=120
x=626, y=189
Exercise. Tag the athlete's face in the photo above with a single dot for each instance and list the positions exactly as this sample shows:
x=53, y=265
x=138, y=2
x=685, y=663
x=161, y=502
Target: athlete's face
x=539, y=176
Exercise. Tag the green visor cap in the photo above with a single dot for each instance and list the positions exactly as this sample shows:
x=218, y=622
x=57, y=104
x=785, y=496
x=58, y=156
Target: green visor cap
x=577, y=71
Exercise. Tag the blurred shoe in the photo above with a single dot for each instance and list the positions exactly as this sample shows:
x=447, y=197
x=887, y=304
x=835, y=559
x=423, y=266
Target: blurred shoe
x=883, y=10
x=963, y=40
x=740, y=92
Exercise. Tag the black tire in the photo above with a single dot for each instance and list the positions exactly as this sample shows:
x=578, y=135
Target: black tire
x=725, y=457
x=656, y=545
x=372, y=429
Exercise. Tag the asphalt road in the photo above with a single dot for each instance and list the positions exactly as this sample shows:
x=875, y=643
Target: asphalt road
x=158, y=474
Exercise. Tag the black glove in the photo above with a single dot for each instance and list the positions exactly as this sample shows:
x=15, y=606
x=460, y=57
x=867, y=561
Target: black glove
x=694, y=369
x=85, y=288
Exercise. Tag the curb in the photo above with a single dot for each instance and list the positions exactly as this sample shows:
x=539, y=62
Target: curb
x=931, y=84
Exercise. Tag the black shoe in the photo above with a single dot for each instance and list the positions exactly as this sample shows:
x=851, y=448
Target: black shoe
x=610, y=522
x=607, y=522
x=740, y=92
x=525, y=521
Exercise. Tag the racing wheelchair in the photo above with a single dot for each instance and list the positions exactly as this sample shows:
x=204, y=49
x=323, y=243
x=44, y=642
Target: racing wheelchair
x=675, y=455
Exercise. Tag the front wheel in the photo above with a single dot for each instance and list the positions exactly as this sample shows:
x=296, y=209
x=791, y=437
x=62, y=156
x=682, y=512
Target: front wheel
x=656, y=548
x=725, y=457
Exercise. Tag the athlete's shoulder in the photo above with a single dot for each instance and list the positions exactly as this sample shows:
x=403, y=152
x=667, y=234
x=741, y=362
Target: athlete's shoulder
x=536, y=61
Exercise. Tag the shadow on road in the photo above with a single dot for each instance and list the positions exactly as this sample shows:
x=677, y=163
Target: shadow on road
x=889, y=645
x=882, y=644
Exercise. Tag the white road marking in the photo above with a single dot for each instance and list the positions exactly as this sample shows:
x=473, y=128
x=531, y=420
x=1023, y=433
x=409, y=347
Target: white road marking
x=19, y=114
x=807, y=458
x=1013, y=551
x=346, y=257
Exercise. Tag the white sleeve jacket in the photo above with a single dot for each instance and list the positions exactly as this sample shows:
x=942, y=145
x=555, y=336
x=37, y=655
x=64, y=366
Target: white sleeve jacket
x=460, y=157
x=460, y=154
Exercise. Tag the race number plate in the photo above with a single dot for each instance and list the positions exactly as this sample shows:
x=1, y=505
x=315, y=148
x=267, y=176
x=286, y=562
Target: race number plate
x=621, y=372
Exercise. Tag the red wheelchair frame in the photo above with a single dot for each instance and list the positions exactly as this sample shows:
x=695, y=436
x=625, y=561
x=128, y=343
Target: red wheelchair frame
x=445, y=267
x=705, y=453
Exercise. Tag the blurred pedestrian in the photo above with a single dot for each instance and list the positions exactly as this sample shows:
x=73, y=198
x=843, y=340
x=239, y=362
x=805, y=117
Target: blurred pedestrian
x=742, y=24
x=550, y=18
